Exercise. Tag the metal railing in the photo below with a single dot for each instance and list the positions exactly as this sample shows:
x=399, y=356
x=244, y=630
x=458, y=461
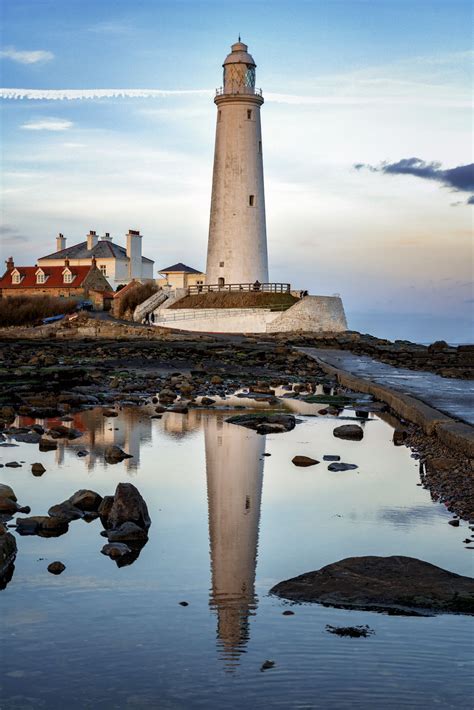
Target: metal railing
x=239, y=288
x=246, y=91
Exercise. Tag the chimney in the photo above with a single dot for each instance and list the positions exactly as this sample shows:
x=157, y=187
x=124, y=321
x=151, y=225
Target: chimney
x=10, y=263
x=66, y=262
x=106, y=237
x=134, y=254
x=60, y=242
x=92, y=240
x=94, y=263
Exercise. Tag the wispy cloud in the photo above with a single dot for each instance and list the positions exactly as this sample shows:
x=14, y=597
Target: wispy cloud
x=459, y=179
x=48, y=124
x=111, y=28
x=293, y=99
x=25, y=56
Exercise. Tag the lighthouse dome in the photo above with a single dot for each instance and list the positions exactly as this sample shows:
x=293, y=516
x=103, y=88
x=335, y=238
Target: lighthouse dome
x=239, y=55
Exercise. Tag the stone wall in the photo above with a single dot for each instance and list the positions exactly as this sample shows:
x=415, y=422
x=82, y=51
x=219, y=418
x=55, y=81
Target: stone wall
x=312, y=314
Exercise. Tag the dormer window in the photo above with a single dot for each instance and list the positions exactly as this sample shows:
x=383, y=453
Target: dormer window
x=40, y=276
x=67, y=276
x=16, y=277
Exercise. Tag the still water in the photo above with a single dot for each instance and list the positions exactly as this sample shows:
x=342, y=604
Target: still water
x=228, y=522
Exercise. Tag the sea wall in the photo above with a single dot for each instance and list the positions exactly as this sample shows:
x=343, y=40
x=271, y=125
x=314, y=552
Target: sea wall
x=310, y=314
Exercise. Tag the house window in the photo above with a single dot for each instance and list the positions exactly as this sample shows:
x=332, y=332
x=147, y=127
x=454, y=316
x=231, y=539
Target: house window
x=67, y=277
x=249, y=114
x=40, y=278
x=221, y=263
x=251, y=200
x=16, y=278
x=199, y=283
x=103, y=269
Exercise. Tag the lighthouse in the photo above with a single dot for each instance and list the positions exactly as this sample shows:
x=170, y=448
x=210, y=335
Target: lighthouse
x=237, y=246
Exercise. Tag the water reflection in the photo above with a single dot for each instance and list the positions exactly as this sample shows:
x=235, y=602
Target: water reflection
x=234, y=471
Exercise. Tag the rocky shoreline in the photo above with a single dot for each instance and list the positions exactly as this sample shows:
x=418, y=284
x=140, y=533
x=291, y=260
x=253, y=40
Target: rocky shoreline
x=54, y=379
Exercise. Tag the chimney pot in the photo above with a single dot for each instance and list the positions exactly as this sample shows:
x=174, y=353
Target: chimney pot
x=10, y=263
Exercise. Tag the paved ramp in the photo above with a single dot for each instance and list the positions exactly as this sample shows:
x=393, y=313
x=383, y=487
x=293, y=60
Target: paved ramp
x=454, y=397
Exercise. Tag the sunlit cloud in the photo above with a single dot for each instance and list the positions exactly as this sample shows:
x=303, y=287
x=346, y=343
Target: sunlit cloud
x=48, y=124
x=27, y=57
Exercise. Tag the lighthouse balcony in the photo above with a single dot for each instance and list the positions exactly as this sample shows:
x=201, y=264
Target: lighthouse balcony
x=245, y=90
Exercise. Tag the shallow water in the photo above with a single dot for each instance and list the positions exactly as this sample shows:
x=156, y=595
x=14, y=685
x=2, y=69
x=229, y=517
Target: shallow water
x=227, y=524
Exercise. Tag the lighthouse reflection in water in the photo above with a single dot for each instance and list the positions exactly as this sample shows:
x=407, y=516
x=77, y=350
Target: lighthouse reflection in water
x=234, y=470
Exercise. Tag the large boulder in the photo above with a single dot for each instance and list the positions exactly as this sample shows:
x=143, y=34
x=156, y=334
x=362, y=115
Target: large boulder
x=42, y=525
x=86, y=500
x=265, y=423
x=395, y=584
x=7, y=556
x=128, y=506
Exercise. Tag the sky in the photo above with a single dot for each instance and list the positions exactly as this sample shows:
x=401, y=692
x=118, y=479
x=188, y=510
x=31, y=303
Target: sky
x=108, y=123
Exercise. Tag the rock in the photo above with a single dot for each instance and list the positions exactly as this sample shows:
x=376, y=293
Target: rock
x=342, y=466
x=30, y=437
x=83, y=452
x=7, y=492
x=114, y=454
x=266, y=665
x=179, y=408
x=128, y=506
x=56, y=567
x=127, y=531
x=47, y=444
x=349, y=431
x=207, y=401
x=160, y=409
x=8, y=551
x=399, y=436
x=265, y=423
x=65, y=511
x=42, y=525
x=86, y=500
x=454, y=523
x=183, y=603
x=330, y=457
x=395, y=584
x=288, y=613
x=303, y=461
x=110, y=413
x=216, y=380
x=351, y=631
x=115, y=549
x=9, y=506
x=37, y=469
x=13, y=464
x=105, y=507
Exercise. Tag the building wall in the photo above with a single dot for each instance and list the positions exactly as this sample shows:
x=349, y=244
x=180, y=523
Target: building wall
x=116, y=270
x=312, y=313
x=181, y=280
x=237, y=230
x=62, y=292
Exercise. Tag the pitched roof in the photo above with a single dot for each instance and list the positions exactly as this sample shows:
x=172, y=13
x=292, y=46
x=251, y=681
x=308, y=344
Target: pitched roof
x=179, y=268
x=131, y=284
x=54, y=277
x=104, y=249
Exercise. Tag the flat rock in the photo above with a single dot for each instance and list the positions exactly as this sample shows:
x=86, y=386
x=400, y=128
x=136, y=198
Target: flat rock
x=86, y=500
x=127, y=531
x=395, y=584
x=65, y=511
x=331, y=457
x=265, y=423
x=303, y=461
x=115, y=549
x=42, y=525
x=349, y=431
x=56, y=567
x=336, y=466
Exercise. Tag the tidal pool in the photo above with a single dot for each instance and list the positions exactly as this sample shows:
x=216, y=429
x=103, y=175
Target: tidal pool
x=228, y=522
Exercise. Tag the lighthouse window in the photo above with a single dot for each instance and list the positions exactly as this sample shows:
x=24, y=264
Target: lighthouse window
x=259, y=146
x=219, y=116
x=251, y=200
x=249, y=114
x=221, y=263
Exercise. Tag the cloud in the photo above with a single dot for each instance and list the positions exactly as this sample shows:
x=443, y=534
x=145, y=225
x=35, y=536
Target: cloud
x=48, y=124
x=27, y=57
x=291, y=99
x=11, y=236
x=459, y=179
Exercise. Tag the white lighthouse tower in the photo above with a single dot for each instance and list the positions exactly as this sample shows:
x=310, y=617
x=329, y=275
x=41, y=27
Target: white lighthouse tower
x=237, y=247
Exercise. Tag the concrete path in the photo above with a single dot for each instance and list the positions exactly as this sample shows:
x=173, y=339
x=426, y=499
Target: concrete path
x=451, y=396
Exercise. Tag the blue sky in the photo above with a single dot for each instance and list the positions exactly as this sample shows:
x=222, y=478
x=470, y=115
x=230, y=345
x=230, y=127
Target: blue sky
x=345, y=82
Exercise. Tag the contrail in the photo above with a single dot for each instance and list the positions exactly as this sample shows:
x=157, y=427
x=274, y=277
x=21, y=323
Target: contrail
x=331, y=100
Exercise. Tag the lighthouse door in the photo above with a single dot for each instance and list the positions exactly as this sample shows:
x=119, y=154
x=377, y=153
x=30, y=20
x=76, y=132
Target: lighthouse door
x=220, y=282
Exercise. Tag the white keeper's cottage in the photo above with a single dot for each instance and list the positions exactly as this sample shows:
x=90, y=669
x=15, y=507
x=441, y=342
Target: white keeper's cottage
x=118, y=264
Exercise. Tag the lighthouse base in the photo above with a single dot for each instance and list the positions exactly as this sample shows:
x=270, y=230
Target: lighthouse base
x=309, y=314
